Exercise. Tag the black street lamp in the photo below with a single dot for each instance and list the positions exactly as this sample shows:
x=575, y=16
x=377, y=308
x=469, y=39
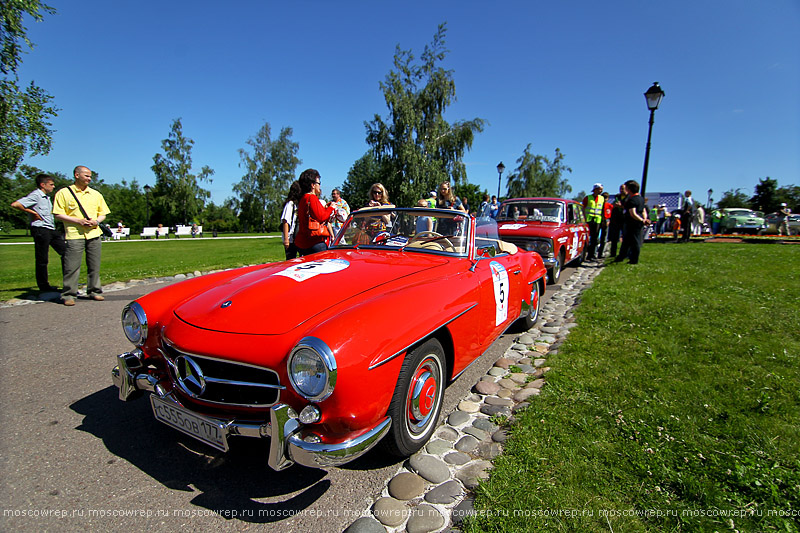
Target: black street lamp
x=500, y=168
x=147, y=204
x=653, y=96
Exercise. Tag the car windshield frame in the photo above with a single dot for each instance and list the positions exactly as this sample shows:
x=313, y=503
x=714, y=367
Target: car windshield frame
x=405, y=229
x=534, y=209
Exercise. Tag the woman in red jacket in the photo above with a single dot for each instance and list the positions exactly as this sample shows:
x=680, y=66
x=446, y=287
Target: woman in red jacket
x=310, y=207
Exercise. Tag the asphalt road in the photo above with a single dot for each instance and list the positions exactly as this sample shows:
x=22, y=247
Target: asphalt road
x=74, y=457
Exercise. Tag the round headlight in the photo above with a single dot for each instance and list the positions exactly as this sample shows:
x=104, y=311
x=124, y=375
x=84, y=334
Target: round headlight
x=134, y=323
x=312, y=369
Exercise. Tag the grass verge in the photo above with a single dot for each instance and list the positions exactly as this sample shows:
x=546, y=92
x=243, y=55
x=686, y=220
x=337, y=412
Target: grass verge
x=123, y=260
x=673, y=406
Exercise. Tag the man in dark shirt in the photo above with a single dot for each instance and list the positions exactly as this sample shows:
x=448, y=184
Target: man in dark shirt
x=633, y=224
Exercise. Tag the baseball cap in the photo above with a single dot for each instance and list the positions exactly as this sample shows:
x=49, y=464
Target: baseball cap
x=597, y=186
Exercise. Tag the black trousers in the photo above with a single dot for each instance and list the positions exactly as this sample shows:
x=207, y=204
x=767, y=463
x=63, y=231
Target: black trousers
x=594, y=229
x=614, y=231
x=43, y=240
x=632, y=243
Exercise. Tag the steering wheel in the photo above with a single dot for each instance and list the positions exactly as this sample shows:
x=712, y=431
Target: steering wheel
x=430, y=236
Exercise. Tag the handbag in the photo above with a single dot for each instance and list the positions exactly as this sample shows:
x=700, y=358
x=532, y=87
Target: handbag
x=102, y=225
x=315, y=228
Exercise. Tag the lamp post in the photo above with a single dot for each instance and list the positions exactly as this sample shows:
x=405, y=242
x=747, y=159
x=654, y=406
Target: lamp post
x=500, y=168
x=710, y=192
x=147, y=204
x=653, y=96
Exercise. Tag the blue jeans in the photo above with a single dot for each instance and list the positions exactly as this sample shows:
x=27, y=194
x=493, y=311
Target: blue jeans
x=319, y=247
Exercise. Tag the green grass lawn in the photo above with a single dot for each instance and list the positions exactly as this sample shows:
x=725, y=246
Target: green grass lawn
x=126, y=260
x=673, y=406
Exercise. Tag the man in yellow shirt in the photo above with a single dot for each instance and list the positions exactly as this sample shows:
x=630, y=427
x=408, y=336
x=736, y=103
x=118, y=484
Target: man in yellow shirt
x=81, y=209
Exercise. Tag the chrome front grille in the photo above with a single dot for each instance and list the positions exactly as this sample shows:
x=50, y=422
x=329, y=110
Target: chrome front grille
x=222, y=382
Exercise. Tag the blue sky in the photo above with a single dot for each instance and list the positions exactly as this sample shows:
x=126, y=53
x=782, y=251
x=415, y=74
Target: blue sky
x=554, y=74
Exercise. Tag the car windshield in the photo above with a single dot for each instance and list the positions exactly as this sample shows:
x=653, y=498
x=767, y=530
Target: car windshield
x=408, y=229
x=544, y=210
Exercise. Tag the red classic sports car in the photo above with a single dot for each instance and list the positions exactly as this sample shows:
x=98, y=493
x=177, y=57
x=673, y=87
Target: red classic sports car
x=327, y=355
x=553, y=227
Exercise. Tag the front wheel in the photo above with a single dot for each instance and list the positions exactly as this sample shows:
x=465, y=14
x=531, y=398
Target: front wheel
x=555, y=272
x=417, y=400
x=532, y=316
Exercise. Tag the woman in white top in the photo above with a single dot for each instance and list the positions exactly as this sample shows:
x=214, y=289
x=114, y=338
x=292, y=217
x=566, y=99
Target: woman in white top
x=289, y=220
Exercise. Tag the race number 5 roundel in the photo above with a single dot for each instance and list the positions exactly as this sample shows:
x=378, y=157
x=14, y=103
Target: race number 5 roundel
x=311, y=269
x=500, y=283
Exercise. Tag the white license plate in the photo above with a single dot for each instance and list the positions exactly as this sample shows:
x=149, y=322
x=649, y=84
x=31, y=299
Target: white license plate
x=199, y=427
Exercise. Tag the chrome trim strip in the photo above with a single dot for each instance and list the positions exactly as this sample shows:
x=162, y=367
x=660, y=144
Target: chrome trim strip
x=379, y=363
x=244, y=383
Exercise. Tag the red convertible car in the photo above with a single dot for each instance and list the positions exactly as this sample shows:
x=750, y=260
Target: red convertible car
x=328, y=354
x=554, y=227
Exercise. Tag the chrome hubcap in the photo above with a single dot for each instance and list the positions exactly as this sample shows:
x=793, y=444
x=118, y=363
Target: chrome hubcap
x=423, y=395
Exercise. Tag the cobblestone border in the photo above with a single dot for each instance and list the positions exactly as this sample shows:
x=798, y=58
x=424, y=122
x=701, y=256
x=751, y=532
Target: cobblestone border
x=431, y=490
x=34, y=298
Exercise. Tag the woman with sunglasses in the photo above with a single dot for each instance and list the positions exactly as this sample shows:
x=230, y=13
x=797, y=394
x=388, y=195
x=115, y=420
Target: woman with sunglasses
x=378, y=196
x=311, y=208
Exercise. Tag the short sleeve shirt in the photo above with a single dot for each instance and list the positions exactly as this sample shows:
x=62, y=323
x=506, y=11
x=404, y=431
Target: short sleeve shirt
x=39, y=202
x=91, y=200
x=634, y=202
x=290, y=217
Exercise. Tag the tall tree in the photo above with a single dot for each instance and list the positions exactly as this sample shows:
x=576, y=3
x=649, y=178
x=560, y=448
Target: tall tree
x=765, y=198
x=177, y=196
x=733, y=198
x=416, y=148
x=789, y=194
x=220, y=217
x=360, y=177
x=537, y=175
x=270, y=170
x=24, y=114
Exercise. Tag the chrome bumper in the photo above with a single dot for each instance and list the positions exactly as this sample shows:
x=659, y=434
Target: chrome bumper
x=284, y=429
x=549, y=262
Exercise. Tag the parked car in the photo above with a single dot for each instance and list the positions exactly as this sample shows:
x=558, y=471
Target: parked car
x=328, y=354
x=771, y=224
x=741, y=220
x=555, y=228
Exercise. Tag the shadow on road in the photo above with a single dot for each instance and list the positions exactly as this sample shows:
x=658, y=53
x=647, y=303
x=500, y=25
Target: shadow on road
x=237, y=484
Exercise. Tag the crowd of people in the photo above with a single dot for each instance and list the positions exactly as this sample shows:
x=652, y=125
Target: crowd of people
x=308, y=224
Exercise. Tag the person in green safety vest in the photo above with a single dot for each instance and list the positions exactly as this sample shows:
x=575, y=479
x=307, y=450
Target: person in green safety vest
x=716, y=220
x=593, y=209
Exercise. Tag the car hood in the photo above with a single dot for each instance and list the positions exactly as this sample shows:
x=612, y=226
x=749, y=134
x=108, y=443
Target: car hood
x=528, y=229
x=282, y=296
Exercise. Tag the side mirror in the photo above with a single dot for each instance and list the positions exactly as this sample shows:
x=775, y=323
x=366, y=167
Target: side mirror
x=489, y=251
